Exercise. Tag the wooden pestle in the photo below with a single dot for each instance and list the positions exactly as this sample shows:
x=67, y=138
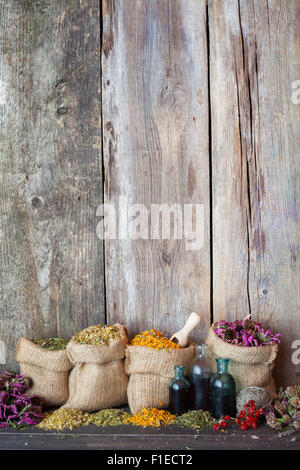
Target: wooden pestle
x=182, y=336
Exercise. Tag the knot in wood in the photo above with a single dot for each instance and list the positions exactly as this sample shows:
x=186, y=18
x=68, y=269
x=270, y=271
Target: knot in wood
x=36, y=202
x=61, y=111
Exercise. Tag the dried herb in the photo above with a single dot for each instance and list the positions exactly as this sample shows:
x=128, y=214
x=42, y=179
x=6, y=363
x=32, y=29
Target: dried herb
x=16, y=408
x=153, y=339
x=245, y=333
x=284, y=414
x=98, y=334
x=51, y=344
x=196, y=419
x=150, y=417
x=110, y=417
x=65, y=418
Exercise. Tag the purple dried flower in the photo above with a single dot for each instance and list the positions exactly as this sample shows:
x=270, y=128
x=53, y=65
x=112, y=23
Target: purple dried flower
x=16, y=408
x=286, y=409
x=245, y=333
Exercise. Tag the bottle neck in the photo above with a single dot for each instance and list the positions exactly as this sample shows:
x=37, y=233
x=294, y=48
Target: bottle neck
x=179, y=372
x=222, y=365
x=200, y=351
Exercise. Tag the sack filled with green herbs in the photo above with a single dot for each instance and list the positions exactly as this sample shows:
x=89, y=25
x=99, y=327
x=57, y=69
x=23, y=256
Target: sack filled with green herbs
x=98, y=379
x=46, y=363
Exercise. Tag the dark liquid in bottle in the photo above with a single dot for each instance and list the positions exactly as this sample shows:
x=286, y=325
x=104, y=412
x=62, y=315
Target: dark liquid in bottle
x=200, y=392
x=223, y=405
x=179, y=398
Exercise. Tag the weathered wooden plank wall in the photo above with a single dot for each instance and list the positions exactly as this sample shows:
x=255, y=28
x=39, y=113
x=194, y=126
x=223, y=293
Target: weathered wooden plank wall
x=196, y=108
x=50, y=168
x=255, y=57
x=155, y=121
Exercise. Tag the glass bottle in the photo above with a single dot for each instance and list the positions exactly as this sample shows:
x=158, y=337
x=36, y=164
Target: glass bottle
x=222, y=391
x=179, y=392
x=199, y=374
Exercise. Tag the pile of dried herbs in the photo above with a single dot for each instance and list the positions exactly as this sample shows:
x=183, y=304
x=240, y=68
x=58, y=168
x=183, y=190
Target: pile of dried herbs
x=98, y=334
x=284, y=414
x=151, y=417
x=196, y=419
x=51, y=344
x=109, y=417
x=245, y=333
x=64, y=418
x=17, y=409
x=153, y=339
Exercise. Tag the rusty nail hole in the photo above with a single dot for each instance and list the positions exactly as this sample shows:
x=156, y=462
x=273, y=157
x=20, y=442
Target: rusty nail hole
x=265, y=291
x=108, y=82
x=79, y=198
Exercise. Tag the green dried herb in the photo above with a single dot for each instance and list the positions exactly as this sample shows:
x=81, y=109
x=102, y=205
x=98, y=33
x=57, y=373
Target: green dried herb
x=52, y=344
x=196, y=419
x=109, y=417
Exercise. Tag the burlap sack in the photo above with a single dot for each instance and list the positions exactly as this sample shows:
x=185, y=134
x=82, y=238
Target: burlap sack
x=150, y=372
x=251, y=365
x=48, y=371
x=98, y=379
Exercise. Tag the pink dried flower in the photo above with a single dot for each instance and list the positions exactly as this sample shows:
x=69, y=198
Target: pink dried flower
x=245, y=333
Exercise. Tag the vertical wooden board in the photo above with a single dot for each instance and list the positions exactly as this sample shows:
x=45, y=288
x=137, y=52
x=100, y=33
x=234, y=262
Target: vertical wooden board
x=260, y=41
x=275, y=241
x=155, y=128
x=52, y=280
x=230, y=153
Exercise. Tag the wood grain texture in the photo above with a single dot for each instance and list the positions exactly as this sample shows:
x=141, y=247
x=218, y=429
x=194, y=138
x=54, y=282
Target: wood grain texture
x=155, y=129
x=255, y=57
x=156, y=85
x=51, y=275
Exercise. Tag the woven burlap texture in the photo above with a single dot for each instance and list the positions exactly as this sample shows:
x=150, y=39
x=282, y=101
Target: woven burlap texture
x=48, y=371
x=251, y=365
x=98, y=379
x=150, y=372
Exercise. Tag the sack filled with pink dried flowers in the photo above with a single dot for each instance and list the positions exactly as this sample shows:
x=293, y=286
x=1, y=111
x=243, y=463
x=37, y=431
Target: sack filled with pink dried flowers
x=252, y=351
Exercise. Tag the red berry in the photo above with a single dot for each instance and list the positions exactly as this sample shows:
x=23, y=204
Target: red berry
x=223, y=424
x=254, y=425
x=227, y=417
x=242, y=414
x=238, y=421
x=216, y=427
x=251, y=402
x=261, y=411
x=246, y=405
x=244, y=426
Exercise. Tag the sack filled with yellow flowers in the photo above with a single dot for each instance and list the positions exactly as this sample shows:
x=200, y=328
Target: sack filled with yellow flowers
x=149, y=361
